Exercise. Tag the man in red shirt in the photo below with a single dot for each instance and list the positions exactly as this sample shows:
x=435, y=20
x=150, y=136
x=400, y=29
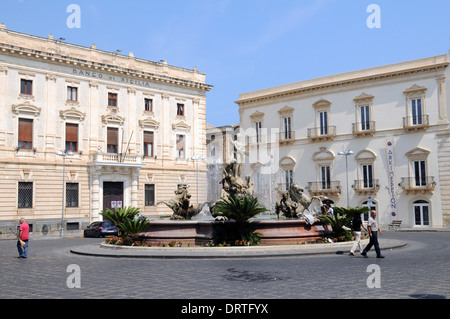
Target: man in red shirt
x=24, y=231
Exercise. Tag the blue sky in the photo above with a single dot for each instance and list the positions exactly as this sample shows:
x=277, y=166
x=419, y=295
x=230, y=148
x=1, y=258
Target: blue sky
x=246, y=45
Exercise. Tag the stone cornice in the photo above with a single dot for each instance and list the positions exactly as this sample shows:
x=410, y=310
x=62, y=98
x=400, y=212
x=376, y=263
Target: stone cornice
x=436, y=64
x=122, y=66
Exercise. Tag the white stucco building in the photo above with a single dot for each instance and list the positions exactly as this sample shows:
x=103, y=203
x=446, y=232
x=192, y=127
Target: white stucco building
x=132, y=124
x=393, y=118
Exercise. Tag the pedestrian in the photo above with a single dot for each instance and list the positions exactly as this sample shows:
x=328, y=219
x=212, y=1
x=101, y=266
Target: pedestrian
x=356, y=227
x=330, y=211
x=23, y=238
x=373, y=229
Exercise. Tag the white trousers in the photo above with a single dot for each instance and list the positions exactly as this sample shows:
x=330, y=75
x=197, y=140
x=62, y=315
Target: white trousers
x=357, y=242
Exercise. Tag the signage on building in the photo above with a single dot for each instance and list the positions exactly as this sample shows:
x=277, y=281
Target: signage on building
x=391, y=176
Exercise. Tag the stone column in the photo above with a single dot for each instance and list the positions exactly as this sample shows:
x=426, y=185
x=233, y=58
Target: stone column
x=134, y=187
x=442, y=99
x=93, y=117
x=95, y=194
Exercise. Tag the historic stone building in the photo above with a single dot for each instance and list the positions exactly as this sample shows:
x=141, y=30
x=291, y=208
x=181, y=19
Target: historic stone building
x=122, y=129
x=378, y=136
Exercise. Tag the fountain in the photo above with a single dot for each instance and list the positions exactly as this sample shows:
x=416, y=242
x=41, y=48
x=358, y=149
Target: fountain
x=290, y=220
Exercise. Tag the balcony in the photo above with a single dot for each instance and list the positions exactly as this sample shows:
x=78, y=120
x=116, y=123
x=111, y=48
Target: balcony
x=287, y=137
x=366, y=187
x=416, y=123
x=323, y=133
x=113, y=159
x=325, y=188
x=363, y=128
x=422, y=185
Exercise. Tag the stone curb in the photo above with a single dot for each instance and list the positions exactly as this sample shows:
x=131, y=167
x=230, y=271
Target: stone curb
x=103, y=250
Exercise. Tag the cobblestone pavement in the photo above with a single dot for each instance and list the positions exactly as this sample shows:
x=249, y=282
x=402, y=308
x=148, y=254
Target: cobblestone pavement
x=418, y=271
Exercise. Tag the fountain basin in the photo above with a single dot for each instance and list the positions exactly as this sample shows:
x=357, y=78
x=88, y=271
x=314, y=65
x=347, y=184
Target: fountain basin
x=274, y=232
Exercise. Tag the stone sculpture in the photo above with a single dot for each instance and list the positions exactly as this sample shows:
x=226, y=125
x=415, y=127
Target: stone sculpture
x=295, y=203
x=180, y=204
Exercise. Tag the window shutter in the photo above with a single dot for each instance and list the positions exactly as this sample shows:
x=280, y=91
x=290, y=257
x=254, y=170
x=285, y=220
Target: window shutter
x=148, y=137
x=113, y=136
x=25, y=130
x=71, y=132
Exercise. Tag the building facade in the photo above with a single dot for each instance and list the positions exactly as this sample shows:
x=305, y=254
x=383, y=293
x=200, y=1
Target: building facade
x=377, y=137
x=82, y=130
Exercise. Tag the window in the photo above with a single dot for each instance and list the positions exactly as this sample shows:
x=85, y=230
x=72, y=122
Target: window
x=323, y=123
x=26, y=87
x=113, y=140
x=287, y=134
x=112, y=99
x=180, y=109
x=148, y=105
x=25, y=134
x=364, y=113
x=72, y=137
x=367, y=175
x=72, y=195
x=72, y=94
x=421, y=213
x=372, y=206
x=25, y=195
x=258, y=132
x=325, y=177
x=148, y=144
x=149, y=195
x=180, y=146
x=416, y=112
x=420, y=174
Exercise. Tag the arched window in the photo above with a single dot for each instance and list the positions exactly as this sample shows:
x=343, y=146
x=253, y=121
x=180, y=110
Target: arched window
x=421, y=210
x=372, y=206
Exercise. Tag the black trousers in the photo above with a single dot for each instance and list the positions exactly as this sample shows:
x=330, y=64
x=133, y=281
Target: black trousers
x=373, y=242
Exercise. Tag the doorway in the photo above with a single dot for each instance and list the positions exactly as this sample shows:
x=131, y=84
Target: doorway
x=112, y=195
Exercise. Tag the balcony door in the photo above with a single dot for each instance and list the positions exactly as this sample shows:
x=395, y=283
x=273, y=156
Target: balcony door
x=420, y=174
x=416, y=112
x=323, y=123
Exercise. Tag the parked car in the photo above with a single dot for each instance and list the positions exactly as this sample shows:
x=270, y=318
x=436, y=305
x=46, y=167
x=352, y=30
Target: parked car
x=101, y=229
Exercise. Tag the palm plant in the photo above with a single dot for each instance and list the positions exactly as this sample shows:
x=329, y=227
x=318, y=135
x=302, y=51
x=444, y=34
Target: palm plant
x=119, y=215
x=240, y=209
x=133, y=227
x=341, y=219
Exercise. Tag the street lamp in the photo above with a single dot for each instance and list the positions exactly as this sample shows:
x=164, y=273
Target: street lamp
x=196, y=159
x=346, y=154
x=63, y=155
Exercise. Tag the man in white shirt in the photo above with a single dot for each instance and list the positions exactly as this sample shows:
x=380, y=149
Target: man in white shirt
x=374, y=229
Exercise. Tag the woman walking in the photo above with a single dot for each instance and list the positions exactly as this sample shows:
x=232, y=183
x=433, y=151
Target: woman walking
x=357, y=224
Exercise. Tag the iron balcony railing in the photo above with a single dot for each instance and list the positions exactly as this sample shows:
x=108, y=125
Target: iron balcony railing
x=366, y=184
x=363, y=127
x=324, y=186
x=322, y=132
x=426, y=182
x=416, y=121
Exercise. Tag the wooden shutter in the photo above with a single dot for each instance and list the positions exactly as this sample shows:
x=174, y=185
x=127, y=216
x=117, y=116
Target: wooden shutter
x=113, y=136
x=71, y=132
x=25, y=130
x=148, y=137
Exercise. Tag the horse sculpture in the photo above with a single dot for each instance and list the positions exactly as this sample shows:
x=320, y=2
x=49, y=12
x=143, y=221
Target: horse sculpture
x=295, y=203
x=180, y=205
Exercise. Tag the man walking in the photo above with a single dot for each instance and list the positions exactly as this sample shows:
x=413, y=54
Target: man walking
x=373, y=229
x=22, y=242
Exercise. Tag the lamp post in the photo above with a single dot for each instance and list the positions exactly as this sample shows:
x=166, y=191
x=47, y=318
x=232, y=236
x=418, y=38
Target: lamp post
x=196, y=159
x=346, y=154
x=63, y=155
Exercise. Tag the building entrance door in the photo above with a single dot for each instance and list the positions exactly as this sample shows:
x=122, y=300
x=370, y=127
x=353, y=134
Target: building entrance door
x=112, y=195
